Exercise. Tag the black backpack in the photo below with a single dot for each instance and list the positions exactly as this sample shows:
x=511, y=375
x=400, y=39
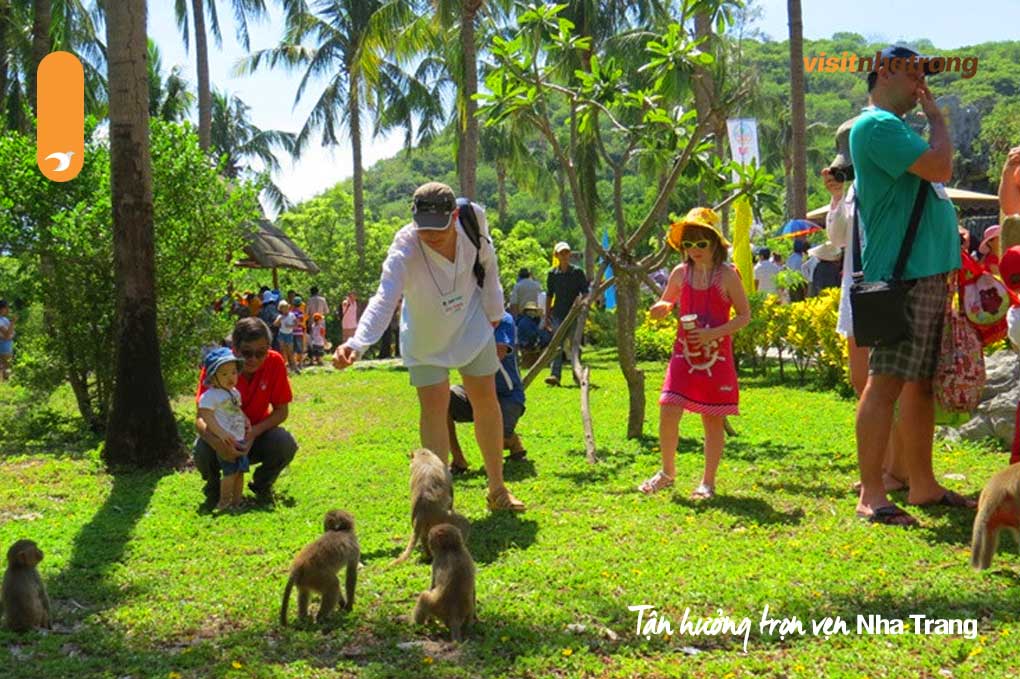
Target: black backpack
x=469, y=222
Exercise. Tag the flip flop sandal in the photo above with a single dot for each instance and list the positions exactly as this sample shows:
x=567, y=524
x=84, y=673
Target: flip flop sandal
x=890, y=515
x=951, y=499
x=457, y=469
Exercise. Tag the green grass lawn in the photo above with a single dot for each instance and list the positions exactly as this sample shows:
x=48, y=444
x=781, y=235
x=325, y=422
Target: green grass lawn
x=144, y=585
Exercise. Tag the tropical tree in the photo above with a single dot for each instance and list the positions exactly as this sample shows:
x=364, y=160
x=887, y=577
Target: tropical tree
x=200, y=10
x=798, y=120
x=169, y=96
x=237, y=141
x=141, y=429
x=641, y=114
x=346, y=41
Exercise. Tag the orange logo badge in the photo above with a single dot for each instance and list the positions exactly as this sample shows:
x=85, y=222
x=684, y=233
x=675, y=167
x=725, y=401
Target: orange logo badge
x=60, y=136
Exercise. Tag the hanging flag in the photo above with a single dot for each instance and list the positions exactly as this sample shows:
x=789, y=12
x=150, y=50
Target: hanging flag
x=743, y=133
x=610, y=294
x=742, y=242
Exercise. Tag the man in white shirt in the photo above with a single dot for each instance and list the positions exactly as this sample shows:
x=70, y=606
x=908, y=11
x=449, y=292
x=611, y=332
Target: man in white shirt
x=765, y=273
x=317, y=304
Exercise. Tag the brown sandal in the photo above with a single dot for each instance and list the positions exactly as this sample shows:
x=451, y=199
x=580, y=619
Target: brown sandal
x=503, y=500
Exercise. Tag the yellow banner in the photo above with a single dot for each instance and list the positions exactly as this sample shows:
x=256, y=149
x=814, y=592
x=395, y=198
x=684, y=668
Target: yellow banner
x=742, y=242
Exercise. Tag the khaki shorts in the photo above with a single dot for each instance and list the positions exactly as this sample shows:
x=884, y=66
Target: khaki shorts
x=486, y=362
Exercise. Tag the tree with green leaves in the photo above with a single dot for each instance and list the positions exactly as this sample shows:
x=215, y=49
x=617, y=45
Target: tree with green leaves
x=640, y=115
x=169, y=96
x=199, y=10
x=346, y=41
x=237, y=141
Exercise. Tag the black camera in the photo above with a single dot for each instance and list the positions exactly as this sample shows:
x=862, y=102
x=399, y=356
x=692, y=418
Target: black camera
x=842, y=174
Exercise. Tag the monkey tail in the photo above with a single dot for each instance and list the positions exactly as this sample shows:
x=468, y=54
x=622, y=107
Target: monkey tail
x=407, y=550
x=286, y=600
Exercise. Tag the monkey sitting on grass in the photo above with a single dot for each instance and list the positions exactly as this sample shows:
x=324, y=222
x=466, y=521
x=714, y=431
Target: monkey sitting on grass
x=315, y=568
x=23, y=599
x=452, y=596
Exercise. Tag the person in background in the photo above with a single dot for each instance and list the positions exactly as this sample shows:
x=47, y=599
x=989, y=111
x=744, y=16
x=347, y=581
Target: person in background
x=300, y=337
x=317, y=339
x=525, y=290
x=564, y=284
x=824, y=269
x=989, y=248
x=796, y=262
x=6, y=340
x=765, y=273
x=285, y=322
x=316, y=305
x=1009, y=184
x=349, y=316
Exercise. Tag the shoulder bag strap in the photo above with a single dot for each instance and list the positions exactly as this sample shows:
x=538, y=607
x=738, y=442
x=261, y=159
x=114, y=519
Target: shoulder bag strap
x=908, y=239
x=856, y=235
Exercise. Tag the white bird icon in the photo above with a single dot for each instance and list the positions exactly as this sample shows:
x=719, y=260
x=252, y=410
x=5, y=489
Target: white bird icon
x=64, y=160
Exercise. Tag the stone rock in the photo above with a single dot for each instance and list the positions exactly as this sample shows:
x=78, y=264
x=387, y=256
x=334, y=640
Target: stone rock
x=995, y=415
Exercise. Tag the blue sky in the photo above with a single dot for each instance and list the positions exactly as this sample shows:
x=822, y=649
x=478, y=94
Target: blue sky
x=270, y=94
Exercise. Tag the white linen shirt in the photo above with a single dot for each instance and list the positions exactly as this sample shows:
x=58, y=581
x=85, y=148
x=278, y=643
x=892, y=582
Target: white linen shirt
x=839, y=227
x=429, y=335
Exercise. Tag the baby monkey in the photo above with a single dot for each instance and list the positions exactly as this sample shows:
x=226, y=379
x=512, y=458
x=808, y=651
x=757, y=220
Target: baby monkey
x=431, y=500
x=315, y=568
x=23, y=599
x=452, y=596
x=998, y=508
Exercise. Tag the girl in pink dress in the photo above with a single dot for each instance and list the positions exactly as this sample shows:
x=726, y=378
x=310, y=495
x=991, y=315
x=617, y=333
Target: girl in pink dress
x=701, y=376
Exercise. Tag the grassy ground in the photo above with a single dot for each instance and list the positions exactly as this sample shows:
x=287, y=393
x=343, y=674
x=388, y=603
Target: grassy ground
x=144, y=585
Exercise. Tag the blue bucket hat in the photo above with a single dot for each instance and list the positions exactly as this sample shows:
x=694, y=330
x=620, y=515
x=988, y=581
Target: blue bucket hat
x=217, y=357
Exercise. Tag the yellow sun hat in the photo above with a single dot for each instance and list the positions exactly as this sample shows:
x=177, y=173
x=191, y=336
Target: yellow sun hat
x=700, y=216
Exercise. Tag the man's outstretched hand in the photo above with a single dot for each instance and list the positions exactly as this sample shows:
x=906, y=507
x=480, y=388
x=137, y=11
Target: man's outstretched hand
x=344, y=356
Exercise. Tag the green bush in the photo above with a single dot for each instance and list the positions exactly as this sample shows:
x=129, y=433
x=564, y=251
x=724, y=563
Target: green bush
x=653, y=340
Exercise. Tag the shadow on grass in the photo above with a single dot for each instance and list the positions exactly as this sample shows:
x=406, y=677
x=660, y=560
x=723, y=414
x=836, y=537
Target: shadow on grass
x=760, y=450
x=100, y=545
x=499, y=531
x=606, y=469
x=755, y=509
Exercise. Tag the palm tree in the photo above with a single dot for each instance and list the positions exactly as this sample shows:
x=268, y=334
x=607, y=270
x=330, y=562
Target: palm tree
x=798, y=120
x=244, y=10
x=347, y=41
x=169, y=98
x=141, y=430
x=237, y=141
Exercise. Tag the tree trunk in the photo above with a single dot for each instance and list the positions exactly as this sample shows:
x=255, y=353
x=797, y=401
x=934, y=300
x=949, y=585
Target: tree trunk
x=468, y=148
x=798, y=121
x=627, y=296
x=5, y=18
x=354, y=115
x=41, y=44
x=202, y=65
x=501, y=205
x=141, y=430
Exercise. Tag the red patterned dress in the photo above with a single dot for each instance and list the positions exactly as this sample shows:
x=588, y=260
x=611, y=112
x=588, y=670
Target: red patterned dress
x=703, y=379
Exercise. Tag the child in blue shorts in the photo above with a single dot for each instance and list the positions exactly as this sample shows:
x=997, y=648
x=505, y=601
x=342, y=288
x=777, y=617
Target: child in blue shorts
x=220, y=407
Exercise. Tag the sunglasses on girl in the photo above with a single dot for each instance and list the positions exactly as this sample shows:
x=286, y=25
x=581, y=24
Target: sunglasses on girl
x=700, y=244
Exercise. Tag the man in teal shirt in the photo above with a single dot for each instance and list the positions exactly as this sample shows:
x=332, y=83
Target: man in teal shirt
x=890, y=160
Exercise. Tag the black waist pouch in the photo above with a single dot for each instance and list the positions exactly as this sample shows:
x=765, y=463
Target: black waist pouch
x=880, y=309
x=880, y=313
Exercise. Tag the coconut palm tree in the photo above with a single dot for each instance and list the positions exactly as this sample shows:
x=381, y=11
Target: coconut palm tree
x=798, y=118
x=141, y=430
x=169, y=97
x=346, y=41
x=199, y=10
x=237, y=141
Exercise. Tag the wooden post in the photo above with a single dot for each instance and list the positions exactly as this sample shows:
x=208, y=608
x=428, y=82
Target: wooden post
x=276, y=279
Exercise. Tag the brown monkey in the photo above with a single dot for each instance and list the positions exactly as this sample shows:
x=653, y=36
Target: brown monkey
x=431, y=500
x=452, y=597
x=23, y=599
x=998, y=508
x=315, y=568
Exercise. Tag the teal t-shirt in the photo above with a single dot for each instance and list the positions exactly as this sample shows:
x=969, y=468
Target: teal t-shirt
x=882, y=147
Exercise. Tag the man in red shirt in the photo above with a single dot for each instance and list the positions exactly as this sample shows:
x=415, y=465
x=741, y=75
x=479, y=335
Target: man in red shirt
x=265, y=398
